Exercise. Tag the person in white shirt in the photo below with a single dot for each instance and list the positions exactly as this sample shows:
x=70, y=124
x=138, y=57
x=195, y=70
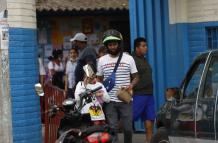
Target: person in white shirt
x=42, y=72
x=56, y=69
x=126, y=77
x=98, y=98
x=70, y=73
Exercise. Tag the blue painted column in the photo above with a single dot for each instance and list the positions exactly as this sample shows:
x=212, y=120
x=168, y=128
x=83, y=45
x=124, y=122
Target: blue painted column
x=24, y=72
x=146, y=21
x=160, y=54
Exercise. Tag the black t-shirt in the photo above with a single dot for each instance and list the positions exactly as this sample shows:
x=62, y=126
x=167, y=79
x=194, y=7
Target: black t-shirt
x=145, y=84
x=87, y=56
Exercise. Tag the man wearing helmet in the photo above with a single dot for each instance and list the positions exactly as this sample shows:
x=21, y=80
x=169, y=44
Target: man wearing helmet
x=125, y=77
x=87, y=55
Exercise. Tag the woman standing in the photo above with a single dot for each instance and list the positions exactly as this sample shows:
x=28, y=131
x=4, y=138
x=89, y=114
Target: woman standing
x=56, y=69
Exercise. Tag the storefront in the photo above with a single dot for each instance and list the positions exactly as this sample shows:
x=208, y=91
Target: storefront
x=57, y=26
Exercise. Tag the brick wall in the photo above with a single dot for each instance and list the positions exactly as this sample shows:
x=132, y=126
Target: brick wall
x=192, y=11
x=23, y=76
x=21, y=13
x=24, y=71
x=197, y=15
x=202, y=10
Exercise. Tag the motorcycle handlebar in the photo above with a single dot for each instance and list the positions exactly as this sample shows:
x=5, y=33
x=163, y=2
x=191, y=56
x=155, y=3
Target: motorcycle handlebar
x=88, y=91
x=96, y=89
x=86, y=95
x=54, y=108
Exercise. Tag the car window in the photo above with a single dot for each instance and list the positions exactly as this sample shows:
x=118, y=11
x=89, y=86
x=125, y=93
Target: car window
x=211, y=83
x=191, y=86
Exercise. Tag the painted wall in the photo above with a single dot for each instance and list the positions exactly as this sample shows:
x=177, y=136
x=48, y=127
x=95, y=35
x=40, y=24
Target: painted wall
x=165, y=49
x=23, y=71
x=176, y=33
x=197, y=15
x=193, y=11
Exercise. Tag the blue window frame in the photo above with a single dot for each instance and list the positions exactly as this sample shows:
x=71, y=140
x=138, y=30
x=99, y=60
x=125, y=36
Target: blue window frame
x=212, y=37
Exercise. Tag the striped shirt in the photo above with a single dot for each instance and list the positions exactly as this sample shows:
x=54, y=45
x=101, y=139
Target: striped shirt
x=126, y=67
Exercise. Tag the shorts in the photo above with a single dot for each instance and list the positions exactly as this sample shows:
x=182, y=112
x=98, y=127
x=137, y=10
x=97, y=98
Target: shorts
x=143, y=107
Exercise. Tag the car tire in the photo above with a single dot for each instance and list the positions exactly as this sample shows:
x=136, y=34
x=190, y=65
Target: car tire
x=161, y=136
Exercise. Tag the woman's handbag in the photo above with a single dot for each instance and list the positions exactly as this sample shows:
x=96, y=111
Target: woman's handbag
x=109, y=82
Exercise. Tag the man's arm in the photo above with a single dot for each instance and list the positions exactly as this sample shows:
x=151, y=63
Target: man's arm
x=134, y=81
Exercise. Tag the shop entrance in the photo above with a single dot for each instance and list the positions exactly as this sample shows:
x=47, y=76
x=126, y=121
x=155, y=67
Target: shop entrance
x=124, y=28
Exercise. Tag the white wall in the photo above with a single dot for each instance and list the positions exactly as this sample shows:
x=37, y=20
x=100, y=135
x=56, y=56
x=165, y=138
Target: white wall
x=21, y=13
x=190, y=11
x=177, y=11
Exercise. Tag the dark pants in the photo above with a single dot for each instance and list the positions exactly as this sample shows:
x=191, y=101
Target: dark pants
x=57, y=79
x=70, y=93
x=124, y=111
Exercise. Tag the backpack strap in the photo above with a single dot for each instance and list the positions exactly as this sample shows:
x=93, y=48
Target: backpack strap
x=118, y=62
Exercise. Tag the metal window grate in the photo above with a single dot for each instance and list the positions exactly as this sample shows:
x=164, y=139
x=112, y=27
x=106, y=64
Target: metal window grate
x=212, y=37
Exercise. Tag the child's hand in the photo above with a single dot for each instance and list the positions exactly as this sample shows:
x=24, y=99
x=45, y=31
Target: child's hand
x=99, y=93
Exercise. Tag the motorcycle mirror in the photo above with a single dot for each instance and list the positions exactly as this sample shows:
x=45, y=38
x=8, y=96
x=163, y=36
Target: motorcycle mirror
x=39, y=89
x=68, y=101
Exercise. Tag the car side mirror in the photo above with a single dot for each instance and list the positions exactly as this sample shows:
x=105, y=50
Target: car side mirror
x=39, y=90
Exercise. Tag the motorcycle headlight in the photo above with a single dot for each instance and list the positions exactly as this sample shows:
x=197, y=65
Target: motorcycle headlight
x=68, y=102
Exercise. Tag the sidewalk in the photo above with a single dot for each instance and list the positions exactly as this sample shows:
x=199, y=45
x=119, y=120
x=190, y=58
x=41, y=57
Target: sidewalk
x=137, y=138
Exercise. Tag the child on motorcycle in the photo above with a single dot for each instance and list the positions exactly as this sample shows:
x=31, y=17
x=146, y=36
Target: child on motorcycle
x=94, y=108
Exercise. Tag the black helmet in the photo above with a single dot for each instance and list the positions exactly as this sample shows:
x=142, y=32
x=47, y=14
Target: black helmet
x=112, y=35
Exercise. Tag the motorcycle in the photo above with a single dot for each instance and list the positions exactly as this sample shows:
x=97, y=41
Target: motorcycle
x=77, y=127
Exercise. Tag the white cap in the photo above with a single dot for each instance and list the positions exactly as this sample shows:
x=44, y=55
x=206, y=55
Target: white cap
x=79, y=37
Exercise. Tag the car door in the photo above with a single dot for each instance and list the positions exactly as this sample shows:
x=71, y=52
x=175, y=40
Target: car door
x=183, y=114
x=205, y=129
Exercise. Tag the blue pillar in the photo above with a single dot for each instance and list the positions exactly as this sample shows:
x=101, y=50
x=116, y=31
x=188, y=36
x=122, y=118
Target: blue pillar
x=146, y=21
x=26, y=118
x=23, y=74
x=160, y=54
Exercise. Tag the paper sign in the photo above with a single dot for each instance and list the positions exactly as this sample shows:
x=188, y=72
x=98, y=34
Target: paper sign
x=4, y=36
